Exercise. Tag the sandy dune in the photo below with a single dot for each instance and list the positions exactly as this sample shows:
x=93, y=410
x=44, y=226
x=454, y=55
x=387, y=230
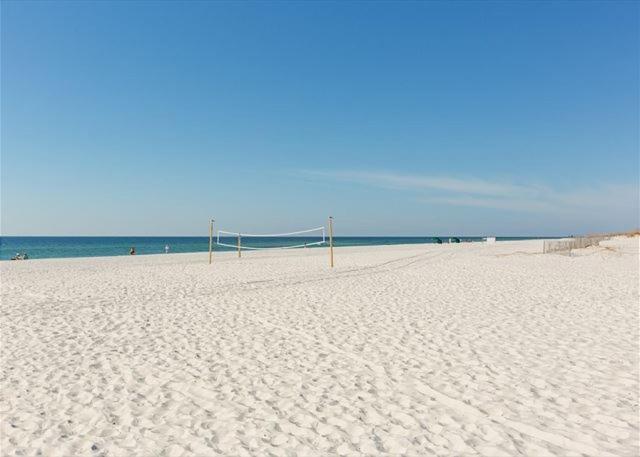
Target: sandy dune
x=467, y=349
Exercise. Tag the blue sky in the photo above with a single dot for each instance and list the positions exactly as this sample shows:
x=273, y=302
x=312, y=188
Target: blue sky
x=474, y=118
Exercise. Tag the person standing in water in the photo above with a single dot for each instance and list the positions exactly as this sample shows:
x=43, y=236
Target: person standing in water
x=166, y=249
x=132, y=251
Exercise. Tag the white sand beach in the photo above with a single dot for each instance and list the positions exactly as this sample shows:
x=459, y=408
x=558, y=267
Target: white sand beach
x=469, y=349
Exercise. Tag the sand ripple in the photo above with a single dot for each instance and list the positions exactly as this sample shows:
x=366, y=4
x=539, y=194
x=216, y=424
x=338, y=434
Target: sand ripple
x=460, y=350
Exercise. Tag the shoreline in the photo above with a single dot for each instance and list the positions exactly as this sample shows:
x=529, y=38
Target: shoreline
x=251, y=252
x=336, y=246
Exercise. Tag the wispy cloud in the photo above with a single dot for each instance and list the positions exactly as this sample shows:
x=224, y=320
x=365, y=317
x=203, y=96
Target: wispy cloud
x=510, y=204
x=399, y=181
x=476, y=192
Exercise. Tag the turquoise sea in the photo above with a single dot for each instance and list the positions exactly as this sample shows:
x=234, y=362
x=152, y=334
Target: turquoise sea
x=42, y=247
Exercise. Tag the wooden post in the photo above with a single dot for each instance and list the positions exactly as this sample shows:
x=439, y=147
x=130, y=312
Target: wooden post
x=331, y=241
x=210, y=240
x=239, y=248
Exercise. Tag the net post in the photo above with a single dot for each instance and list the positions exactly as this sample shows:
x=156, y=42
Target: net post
x=210, y=240
x=331, y=241
x=239, y=248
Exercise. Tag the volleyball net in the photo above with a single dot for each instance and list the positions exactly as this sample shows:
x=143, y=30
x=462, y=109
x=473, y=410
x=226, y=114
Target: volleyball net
x=266, y=241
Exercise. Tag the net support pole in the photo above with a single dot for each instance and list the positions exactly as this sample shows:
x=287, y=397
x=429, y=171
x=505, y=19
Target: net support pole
x=239, y=247
x=331, y=241
x=210, y=240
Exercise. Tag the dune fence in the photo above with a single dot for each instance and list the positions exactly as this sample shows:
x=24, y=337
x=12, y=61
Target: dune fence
x=567, y=244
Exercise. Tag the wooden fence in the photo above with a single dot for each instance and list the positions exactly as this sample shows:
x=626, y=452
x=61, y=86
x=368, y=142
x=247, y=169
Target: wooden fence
x=567, y=244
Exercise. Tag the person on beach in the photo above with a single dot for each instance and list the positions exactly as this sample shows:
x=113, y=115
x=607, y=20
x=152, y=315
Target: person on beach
x=132, y=251
x=166, y=249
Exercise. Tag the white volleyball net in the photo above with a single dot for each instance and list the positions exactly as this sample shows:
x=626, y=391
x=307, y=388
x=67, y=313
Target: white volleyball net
x=291, y=240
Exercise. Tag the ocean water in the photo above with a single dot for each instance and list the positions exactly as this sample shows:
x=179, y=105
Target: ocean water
x=42, y=247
